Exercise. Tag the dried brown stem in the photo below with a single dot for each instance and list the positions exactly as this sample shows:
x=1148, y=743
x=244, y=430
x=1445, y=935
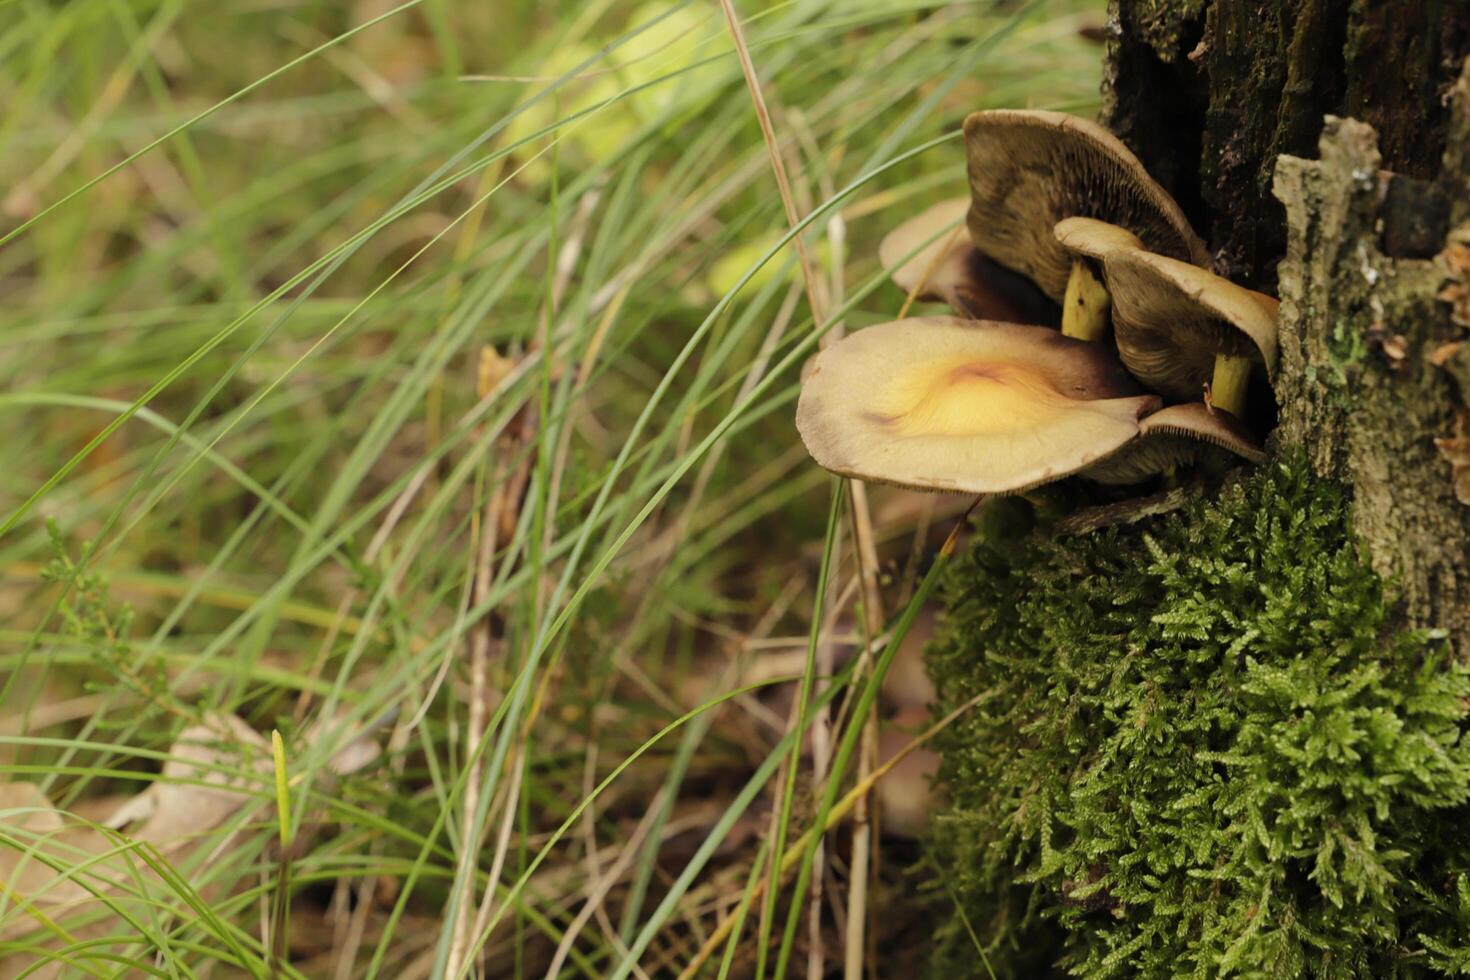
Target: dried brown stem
x=792, y=858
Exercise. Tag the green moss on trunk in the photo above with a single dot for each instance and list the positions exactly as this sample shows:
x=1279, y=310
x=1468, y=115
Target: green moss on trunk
x=1204, y=750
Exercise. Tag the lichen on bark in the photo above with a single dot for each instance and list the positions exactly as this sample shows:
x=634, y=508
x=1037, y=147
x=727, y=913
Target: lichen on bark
x=1211, y=95
x=1163, y=25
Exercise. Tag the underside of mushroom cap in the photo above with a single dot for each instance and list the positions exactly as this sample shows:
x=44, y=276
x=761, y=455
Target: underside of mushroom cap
x=966, y=406
x=949, y=269
x=1176, y=436
x=1031, y=169
x=1201, y=423
x=1170, y=320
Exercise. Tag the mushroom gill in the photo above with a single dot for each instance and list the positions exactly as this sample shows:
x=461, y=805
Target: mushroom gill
x=1173, y=437
x=1178, y=327
x=1031, y=169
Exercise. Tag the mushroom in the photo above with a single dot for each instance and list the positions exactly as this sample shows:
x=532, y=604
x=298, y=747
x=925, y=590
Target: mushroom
x=907, y=685
x=1172, y=437
x=1087, y=303
x=1031, y=169
x=1089, y=238
x=966, y=406
x=1178, y=326
x=906, y=792
x=930, y=255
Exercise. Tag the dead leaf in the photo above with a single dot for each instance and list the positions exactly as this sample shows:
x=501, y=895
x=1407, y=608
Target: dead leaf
x=494, y=368
x=1442, y=354
x=28, y=816
x=213, y=770
x=356, y=752
x=1455, y=261
x=1456, y=452
x=201, y=785
x=32, y=891
x=907, y=685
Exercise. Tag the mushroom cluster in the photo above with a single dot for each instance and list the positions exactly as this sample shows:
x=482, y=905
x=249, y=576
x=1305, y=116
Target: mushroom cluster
x=1063, y=228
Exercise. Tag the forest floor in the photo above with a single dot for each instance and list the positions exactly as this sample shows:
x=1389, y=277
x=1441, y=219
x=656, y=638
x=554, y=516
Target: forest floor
x=417, y=382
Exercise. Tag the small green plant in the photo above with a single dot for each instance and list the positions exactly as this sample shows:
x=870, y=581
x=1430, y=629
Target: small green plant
x=1204, y=751
x=102, y=628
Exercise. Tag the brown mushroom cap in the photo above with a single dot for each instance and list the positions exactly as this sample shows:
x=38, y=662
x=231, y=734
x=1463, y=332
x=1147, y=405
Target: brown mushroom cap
x=1176, y=436
x=1171, y=319
x=947, y=268
x=1094, y=239
x=1030, y=169
x=966, y=406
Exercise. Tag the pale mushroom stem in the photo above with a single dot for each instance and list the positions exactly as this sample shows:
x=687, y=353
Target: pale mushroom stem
x=1085, y=305
x=1227, y=389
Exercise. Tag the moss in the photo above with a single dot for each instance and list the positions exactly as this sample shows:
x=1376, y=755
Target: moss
x=1203, y=750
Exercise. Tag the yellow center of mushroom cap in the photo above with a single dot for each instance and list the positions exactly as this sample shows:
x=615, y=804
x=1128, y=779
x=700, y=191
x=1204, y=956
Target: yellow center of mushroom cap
x=964, y=396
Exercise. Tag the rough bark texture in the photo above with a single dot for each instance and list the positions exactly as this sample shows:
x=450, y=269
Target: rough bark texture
x=1359, y=388
x=1210, y=92
x=1140, y=794
x=1368, y=242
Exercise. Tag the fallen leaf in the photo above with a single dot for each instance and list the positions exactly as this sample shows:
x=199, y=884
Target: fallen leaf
x=494, y=368
x=356, y=752
x=32, y=891
x=1456, y=452
x=202, y=784
x=1442, y=354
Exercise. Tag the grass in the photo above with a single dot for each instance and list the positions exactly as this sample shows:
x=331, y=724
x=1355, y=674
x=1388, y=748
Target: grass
x=364, y=379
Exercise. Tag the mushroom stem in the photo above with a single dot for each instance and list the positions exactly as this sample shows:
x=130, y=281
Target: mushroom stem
x=1048, y=503
x=1085, y=305
x=1232, y=377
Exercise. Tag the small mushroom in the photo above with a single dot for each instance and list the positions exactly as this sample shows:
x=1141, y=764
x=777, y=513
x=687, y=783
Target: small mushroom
x=1174, y=437
x=1031, y=169
x=1178, y=326
x=931, y=253
x=966, y=406
x=906, y=792
x=1093, y=239
x=1086, y=306
x=907, y=686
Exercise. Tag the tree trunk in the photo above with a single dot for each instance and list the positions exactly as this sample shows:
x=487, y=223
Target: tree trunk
x=1205, y=745
x=1209, y=94
x=1366, y=244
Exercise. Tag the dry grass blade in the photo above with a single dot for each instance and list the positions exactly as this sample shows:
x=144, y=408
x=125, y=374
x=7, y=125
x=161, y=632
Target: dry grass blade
x=839, y=812
x=862, y=525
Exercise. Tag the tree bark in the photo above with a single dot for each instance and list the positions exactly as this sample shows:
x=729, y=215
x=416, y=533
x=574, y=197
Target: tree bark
x=1361, y=225
x=1209, y=93
x=1372, y=374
